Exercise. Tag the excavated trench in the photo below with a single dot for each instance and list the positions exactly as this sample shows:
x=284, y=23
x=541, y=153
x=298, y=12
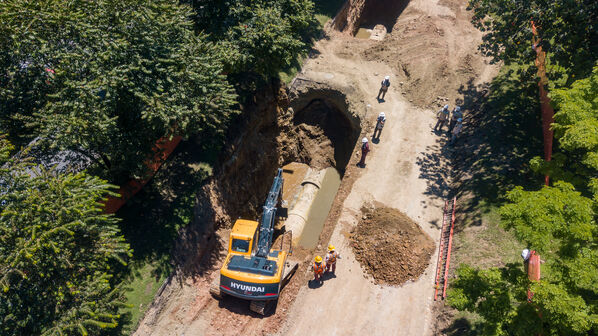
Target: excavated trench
x=359, y=17
x=309, y=125
x=325, y=137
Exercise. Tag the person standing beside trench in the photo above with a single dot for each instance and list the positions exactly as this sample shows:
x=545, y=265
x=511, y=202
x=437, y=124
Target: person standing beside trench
x=365, y=148
x=383, y=88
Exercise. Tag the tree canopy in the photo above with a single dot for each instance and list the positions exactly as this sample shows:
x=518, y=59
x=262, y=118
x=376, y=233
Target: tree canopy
x=108, y=78
x=57, y=251
x=567, y=30
x=262, y=36
x=560, y=222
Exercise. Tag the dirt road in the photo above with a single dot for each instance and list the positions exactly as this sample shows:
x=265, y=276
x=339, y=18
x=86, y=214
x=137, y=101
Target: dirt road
x=432, y=51
x=351, y=303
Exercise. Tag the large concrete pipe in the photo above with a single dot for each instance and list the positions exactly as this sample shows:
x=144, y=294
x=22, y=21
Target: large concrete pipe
x=300, y=212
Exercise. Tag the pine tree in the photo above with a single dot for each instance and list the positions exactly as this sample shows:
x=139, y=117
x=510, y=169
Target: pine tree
x=56, y=252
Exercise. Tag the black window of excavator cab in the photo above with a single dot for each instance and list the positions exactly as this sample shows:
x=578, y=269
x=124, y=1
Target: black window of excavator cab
x=240, y=245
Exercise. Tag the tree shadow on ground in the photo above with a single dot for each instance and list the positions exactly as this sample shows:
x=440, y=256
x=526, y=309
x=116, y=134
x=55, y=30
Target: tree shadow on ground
x=501, y=133
x=461, y=327
x=152, y=219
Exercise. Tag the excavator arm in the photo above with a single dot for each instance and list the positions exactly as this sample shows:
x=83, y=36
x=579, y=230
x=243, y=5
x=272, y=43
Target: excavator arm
x=269, y=217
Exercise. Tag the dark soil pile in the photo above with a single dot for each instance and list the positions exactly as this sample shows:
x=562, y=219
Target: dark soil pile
x=391, y=246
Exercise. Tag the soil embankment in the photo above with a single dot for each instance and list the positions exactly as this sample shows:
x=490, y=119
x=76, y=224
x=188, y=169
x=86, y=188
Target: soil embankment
x=310, y=123
x=390, y=246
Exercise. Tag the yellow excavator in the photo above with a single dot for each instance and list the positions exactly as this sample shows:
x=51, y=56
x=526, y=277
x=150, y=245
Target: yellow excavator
x=253, y=269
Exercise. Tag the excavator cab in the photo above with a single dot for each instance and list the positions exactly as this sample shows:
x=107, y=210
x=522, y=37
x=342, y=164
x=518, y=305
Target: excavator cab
x=253, y=269
x=242, y=237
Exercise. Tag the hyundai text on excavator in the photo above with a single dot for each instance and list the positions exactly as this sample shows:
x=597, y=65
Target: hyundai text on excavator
x=253, y=269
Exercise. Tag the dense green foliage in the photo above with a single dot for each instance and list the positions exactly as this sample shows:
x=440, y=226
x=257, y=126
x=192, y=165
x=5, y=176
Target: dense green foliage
x=56, y=252
x=262, y=36
x=108, y=78
x=560, y=223
x=557, y=221
x=568, y=31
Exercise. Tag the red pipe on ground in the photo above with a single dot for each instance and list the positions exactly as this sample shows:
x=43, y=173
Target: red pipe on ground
x=547, y=110
x=162, y=150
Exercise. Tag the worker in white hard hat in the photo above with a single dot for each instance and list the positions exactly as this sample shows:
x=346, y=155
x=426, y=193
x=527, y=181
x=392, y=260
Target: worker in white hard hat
x=525, y=254
x=455, y=115
x=379, y=125
x=456, y=130
x=365, y=148
x=331, y=258
x=383, y=88
x=442, y=117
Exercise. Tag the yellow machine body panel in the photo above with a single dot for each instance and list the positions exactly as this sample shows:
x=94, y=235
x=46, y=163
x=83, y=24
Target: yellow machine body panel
x=246, y=276
x=256, y=278
x=242, y=237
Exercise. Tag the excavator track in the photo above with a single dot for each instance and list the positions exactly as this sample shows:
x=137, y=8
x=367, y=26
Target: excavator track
x=260, y=307
x=215, y=287
x=263, y=307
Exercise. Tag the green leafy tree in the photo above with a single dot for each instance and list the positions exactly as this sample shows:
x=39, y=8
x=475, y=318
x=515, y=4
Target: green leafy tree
x=263, y=36
x=108, y=78
x=57, y=250
x=560, y=223
x=576, y=127
x=567, y=30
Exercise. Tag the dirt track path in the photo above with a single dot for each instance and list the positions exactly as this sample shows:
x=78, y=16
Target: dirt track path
x=407, y=170
x=350, y=303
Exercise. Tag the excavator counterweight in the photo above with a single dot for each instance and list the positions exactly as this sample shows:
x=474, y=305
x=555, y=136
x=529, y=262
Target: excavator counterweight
x=253, y=270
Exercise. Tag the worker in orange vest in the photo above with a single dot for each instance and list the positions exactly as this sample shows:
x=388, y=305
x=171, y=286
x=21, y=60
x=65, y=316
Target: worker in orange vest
x=331, y=257
x=318, y=267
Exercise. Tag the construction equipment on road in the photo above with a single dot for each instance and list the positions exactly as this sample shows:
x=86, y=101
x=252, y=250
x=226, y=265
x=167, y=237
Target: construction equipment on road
x=444, y=250
x=253, y=269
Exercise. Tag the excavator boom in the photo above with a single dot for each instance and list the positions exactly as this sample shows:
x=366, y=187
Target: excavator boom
x=269, y=217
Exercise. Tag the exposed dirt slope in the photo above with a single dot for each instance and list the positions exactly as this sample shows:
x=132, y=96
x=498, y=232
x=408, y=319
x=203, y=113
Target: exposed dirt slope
x=391, y=246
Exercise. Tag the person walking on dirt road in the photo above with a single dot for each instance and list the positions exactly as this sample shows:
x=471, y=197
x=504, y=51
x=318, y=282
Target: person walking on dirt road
x=442, y=117
x=456, y=130
x=379, y=125
x=331, y=258
x=318, y=268
x=383, y=87
x=457, y=114
x=365, y=148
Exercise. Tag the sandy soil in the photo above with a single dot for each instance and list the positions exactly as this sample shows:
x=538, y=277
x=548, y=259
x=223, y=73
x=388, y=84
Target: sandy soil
x=432, y=50
x=390, y=246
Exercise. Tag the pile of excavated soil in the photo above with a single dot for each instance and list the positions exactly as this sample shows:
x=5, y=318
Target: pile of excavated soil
x=391, y=246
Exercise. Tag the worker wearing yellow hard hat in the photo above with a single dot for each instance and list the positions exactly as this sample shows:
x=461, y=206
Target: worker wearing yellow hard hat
x=318, y=268
x=331, y=258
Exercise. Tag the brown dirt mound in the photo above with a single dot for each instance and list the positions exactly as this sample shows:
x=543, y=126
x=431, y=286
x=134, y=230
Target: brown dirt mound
x=391, y=246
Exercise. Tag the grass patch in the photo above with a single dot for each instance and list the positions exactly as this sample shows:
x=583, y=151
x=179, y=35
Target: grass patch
x=142, y=285
x=486, y=244
x=326, y=9
x=151, y=222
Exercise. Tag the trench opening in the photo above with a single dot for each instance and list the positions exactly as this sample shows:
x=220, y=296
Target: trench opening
x=325, y=135
x=384, y=12
x=325, y=138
